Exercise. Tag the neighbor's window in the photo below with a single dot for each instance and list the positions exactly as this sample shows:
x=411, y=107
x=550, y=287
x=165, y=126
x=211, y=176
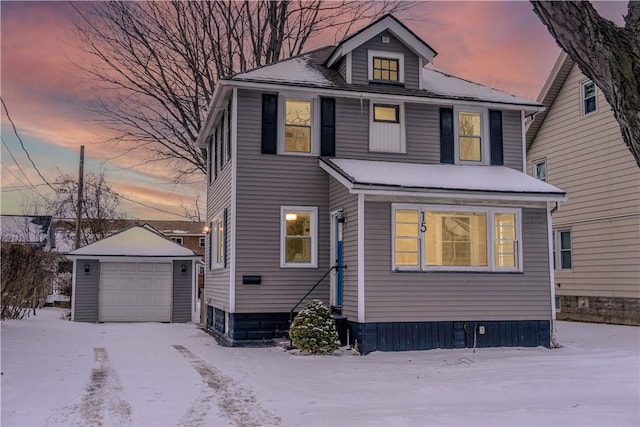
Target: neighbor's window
x=588, y=97
x=564, y=238
x=453, y=238
x=540, y=170
x=297, y=127
x=178, y=240
x=298, y=246
x=202, y=242
x=469, y=136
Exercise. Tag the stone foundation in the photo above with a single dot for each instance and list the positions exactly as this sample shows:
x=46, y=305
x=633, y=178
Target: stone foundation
x=619, y=311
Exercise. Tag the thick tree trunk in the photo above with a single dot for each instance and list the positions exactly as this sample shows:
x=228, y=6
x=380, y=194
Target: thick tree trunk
x=607, y=54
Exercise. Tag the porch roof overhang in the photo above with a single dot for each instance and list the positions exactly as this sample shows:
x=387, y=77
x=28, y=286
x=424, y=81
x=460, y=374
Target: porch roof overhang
x=380, y=178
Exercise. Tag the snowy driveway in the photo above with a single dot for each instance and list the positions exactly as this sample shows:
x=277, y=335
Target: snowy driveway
x=56, y=372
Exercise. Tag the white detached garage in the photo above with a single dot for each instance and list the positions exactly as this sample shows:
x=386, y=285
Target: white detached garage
x=136, y=275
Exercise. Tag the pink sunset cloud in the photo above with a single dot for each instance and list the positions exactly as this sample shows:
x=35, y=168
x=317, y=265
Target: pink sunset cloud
x=500, y=44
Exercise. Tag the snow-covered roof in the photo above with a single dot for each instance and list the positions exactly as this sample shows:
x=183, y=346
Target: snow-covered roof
x=359, y=175
x=293, y=70
x=447, y=85
x=31, y=229
x=135, y=241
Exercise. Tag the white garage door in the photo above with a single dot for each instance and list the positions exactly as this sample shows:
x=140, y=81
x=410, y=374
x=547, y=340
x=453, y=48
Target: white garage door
x=135, y=292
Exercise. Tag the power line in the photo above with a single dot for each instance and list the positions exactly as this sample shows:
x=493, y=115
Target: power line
x=22, y=145
x=19, y=167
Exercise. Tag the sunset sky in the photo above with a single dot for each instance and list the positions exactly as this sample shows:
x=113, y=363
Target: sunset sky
x=501, y=44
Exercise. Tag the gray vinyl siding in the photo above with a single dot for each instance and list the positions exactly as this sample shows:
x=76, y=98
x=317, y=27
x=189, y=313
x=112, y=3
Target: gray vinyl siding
x=264, y=184
x=512, y=140
x=417, y=296
x=86, y=291
x=422, y=134
x=359, y=60
x=339, y=198
x=218, y=198
x=181, y=301
x=587, y=158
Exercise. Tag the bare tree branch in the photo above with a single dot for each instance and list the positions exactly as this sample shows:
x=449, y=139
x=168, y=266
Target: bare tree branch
x=159, y=61
x=607, y=54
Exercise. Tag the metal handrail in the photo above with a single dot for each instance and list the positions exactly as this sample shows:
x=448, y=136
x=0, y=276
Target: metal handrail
x=312, y=289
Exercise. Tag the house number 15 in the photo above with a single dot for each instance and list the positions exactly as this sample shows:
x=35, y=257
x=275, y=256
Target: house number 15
x=423, y=224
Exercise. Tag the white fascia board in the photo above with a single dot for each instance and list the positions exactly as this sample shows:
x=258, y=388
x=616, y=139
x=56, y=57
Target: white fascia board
x=458, y=195
x=392, y=98
x=416, y=45
x=219, y=94
x=552, y=76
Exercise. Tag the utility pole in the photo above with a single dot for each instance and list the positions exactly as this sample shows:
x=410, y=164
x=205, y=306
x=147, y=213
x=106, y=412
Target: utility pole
x=80, y=188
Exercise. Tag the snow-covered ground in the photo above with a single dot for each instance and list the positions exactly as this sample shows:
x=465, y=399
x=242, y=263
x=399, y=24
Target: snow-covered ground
x=55, y=372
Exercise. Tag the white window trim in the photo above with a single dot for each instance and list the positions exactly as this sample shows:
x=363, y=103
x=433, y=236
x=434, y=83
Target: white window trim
x=313, y=210
x=315, y=122
x=485, y=149
x=582, y=98
x=202, y=242
x=401, y=119
x=385, y=54
x=217, y=220
x=490, y=217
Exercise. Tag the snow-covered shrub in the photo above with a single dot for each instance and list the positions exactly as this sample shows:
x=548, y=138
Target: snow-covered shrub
x=314, y=330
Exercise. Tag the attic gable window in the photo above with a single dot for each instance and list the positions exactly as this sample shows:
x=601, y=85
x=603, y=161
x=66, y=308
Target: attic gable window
x=385, y=67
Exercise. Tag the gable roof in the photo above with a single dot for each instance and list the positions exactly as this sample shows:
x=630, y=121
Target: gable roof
x=387, y=22
x=549, y=92
x=136, y=241
x=445, y=181
x=30, y=229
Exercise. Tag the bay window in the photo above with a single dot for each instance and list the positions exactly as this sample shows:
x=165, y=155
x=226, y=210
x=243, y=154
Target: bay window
x=436, y=238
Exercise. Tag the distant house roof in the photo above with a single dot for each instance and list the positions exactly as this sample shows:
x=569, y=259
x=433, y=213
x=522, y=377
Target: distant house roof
x=136, y=241
x=499, y=182
x=30, y=229
x=549, y=92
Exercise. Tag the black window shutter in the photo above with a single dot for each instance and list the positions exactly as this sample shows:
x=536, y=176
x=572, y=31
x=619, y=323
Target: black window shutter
x=225, y=223
x=269, y=124
x=446, y=135
x=328, y=127
x=229, y=130
x=495, y=137
x=215, y=154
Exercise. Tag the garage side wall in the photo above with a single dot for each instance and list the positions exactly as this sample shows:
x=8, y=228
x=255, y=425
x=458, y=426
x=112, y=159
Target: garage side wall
x=86, y=291
x=181, y=311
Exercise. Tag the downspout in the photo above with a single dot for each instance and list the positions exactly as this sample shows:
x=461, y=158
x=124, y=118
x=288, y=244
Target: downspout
x=554, y=342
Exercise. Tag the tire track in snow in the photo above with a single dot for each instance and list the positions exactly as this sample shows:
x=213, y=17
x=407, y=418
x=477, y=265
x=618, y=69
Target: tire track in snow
x=100, y=399
x=236, y=403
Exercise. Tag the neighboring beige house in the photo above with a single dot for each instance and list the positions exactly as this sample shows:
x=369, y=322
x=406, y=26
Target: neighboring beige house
x=576, y=145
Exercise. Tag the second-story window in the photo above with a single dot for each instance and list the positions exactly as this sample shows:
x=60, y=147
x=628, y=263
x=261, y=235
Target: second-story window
x=469, y=136
x=540, y=170
x=298, y=126
x=588, y=90
x=178, y=240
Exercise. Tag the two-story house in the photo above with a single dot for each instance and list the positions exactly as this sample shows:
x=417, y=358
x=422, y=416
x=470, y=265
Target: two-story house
x=405, y=186
x=576, y=144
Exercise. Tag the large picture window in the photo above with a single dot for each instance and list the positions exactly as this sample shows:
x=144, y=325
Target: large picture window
x=455, y=238
x=298, y=236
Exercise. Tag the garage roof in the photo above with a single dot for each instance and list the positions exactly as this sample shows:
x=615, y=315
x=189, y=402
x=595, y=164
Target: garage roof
x=136, y=240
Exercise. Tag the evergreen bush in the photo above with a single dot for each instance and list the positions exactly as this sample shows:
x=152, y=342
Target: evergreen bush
x=314, y=330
